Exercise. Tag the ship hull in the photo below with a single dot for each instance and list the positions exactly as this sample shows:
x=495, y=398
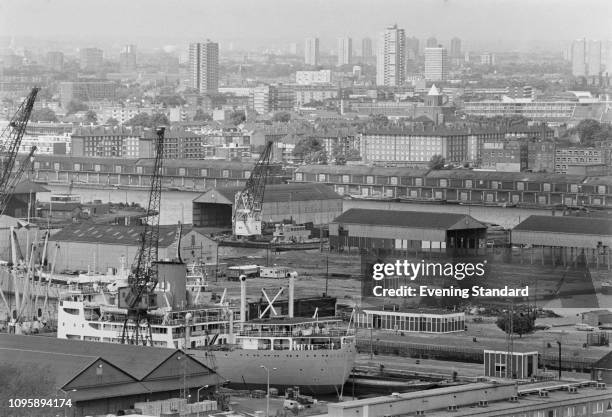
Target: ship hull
x=314, y=371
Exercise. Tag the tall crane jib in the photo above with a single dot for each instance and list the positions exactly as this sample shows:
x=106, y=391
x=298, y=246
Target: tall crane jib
x=10, y=140
x=139, y=296
x=248, y=203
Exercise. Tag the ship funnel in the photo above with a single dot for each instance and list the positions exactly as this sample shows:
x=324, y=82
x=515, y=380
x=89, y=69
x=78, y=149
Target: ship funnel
x=243, y=297
x=291, y=302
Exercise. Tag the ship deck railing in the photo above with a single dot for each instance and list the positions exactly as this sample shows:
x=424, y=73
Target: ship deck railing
x=328, y=333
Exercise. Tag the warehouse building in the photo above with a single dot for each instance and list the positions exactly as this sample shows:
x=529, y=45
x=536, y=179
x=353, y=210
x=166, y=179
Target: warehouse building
x=102, y=378
x=23, y=198
x=405, y=232
x=566, y=240
x=97, y=248
x=299, y=203
x=487, y=399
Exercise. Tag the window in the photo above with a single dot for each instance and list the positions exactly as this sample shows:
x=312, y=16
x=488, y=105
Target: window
x=118, y=169
x=139, y=170
x=56, y=166
x=37, y=166
x=321, y=177
x=494, y=185
x=520, y=186
x=599, y=407
x=601, y=189
x=298, y=176
x=546, y=186
x=346, y=178
x=247, y=174
x=225, y=173
x=182, y=172
x=393, y=180
x=204, y=172
x=370, y=179
x=443, y=183
x=468, y=183
x=574, y=188
x=77, y=167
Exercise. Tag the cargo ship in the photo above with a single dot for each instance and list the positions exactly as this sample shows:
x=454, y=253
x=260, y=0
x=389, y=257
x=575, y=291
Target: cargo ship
x=315, y=354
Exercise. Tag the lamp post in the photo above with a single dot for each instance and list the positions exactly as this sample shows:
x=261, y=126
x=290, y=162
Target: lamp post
x=198, y=397
x=198, y=393
x=267, y=389
x=559, y=343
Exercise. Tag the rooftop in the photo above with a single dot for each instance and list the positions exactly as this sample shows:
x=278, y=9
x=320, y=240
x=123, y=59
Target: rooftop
x=113, y=234
x=566, y=224
x=277, y=193
x=410, y=219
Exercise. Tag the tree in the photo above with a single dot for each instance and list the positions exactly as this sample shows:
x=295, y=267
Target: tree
x=306, y=146
x=91, y=117
x=29, y=381
x=437, y=162
x=144, y=120
x=522, y=323
x=282, y=116
x=43, y=115
x=75, y=106
x=112, y=121
x=237, y=117
x=201, y=116
x=159, y=119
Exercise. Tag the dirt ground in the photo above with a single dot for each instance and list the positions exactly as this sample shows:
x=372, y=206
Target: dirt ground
x=313, y=265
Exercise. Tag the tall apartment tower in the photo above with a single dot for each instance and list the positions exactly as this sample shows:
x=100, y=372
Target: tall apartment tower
x=90, y=59
x=391, y=57
x=311, y=51
x=204, y=66
x=455, y=48
x=127, y=58
x=345, y=51
x=431, y=42
x=593, y=60
x=366, y=48
x=412, y=48
x=436, y=64
x=579, y=58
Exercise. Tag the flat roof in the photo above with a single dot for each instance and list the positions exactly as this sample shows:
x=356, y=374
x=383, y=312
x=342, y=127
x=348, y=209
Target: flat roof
x=566, y=224
x=276, y=193
x=114, y=234
x=409, y=219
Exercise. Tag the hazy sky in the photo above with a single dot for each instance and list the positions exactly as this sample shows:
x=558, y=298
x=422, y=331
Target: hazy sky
x=260, y=21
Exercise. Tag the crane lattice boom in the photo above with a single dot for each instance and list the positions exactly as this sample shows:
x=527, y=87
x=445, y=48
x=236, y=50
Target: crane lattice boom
x=248, y=203
x=9, y=146
x=139, y=296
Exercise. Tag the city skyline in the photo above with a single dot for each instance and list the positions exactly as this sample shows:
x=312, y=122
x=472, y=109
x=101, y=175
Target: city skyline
x=193, y=21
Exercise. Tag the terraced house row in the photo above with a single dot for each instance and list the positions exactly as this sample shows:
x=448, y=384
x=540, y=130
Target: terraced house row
x=461, y=186
x=197, y=175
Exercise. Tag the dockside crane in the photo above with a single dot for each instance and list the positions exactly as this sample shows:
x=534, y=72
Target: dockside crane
x=10, y=140
x=14, y=180
x=248, y=203
x=139, y=297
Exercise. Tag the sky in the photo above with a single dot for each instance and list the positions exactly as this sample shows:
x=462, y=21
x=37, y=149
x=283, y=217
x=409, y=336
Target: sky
x=260, y=22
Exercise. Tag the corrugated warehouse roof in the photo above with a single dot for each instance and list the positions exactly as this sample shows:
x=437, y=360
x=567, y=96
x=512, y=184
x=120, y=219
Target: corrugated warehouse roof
x=138, y=361
x=113, y=234
x=567, y=225
x=25, y=187
x=277, y=193
x=134, y=369
x=409, y=219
